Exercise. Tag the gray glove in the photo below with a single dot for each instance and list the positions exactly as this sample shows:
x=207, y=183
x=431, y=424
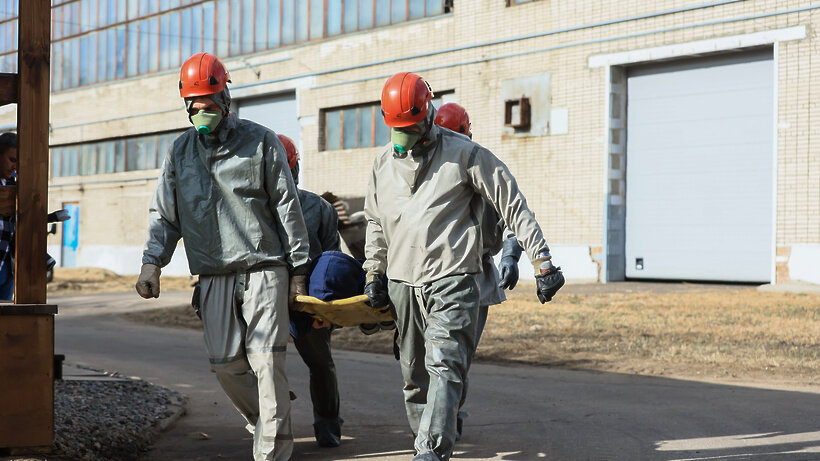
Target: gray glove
x=148, y=281
x=508, y=267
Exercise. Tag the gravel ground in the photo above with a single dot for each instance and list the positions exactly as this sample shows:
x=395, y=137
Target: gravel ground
x=104, y=420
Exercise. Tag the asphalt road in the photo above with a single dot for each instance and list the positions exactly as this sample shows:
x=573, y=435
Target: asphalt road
x=516, y=412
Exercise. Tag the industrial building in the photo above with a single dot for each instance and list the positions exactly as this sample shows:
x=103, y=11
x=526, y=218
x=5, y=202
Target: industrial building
x=667, y=139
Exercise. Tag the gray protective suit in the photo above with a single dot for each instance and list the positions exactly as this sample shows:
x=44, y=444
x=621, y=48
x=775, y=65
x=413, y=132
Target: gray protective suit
x=321, y=221
x=231, y=197
x=424, y=211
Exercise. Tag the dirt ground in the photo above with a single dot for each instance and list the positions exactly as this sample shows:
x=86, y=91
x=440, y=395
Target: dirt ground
x=727, y=333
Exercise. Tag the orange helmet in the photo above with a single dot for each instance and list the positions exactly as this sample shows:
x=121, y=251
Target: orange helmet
x=202, y=74
x=453, y=117
x=290, y=148
x=405, y=98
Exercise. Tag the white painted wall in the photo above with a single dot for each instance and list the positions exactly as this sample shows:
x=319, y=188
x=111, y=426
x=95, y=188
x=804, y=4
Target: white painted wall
x=804, y=263
x=124, y=260
x=574, y=260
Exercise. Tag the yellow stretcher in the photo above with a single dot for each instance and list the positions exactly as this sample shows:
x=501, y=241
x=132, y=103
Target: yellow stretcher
x=346, y=312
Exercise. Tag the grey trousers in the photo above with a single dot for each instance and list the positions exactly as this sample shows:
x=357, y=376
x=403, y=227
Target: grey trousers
x=436, y=328
x=245, y=317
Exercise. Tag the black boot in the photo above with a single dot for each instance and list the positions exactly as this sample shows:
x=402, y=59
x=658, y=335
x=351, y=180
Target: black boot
x=328, y=433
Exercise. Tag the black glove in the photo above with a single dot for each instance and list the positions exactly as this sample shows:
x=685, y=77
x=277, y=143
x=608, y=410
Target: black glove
x=376, y=292
x=508, y=267
x=196, y=300
x=548, y=282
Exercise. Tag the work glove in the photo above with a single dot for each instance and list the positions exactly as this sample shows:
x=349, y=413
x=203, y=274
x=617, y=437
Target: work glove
x=508, y=267
x=548, y=278
x=148, y=281
x=298, y=287
x=374, y=290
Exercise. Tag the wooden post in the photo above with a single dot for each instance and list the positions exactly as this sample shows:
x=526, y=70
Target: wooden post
x=32, y=135
x=27, y=327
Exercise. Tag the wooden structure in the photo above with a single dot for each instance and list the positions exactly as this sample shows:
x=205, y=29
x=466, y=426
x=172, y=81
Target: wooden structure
x=27, y=327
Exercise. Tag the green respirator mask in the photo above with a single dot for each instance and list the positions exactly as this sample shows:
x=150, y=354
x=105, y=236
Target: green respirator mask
x=403, y=140
x=206, y=121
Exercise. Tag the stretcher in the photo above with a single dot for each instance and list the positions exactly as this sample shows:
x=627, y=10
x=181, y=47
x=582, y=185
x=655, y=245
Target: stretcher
x=347, y=312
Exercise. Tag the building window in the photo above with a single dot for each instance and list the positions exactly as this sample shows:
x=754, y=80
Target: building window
x=357, y=127
x=112, y=155
x=518, y=2
x=95, y=41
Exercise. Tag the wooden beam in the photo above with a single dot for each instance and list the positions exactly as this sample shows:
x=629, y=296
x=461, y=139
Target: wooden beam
x=8, y=89
x=8, y=200
x=32, y=133
x=27, y=380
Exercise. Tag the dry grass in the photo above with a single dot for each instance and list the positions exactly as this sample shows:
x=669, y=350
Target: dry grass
x=78, y=280
x=734, y=334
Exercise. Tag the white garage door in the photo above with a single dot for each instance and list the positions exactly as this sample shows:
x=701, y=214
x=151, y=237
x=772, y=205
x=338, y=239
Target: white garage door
x=275, y=112
x=699, y=169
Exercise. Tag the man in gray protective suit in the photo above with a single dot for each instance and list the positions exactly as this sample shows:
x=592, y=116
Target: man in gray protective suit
x=226, y=189
x=313, y=344
x=494, y=237
x=424, y=204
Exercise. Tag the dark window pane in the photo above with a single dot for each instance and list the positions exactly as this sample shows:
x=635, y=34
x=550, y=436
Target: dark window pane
x=112, y=11
x=89, y=15
x=301, y=21
x=332, y=127
x=133, y=12
x=365, y=14
x=288, y=18
x=196, y=30
x=222, y=28
x=274, y=23
x=121, y=50
x=153, y=45
x=174, y=44
x=89, y=159
x=121, y=10
x=131, y=154
x=163, y=143
x=382, y=12
x=317, y=19
x=72, y=161
x=132, y=66
x=111, y=58
x=185, y=34
x=382, y=131
x=55, y=162
x=236, y=27
x=208, y=31
x=84, y=59
x=150, y=144
x=434, y=7
x=365, y=126
x=398, y=11
x=75, y=62
x=334, y=17
x=349, y=128
x=416, y=9
x=65, y=169
x=351, y=15
x=165, y=42
x=260, y=41
x=143, y=7
x=119, y=155
x=144, y=49
x=91, y=71
x=247, y=33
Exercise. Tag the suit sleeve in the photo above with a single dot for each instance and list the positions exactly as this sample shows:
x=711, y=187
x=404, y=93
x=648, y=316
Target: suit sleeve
x=284, y=204
x=491, y=178
x=375, y=247
x=163, y=219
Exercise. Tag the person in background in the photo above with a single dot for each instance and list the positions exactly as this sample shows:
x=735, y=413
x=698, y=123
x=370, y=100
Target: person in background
x=313, y=344
x=8, y=171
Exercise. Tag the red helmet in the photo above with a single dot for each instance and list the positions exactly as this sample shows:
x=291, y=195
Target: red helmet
x=405, y=98
x=290, y=148
x=202, y=74
x=453, y=117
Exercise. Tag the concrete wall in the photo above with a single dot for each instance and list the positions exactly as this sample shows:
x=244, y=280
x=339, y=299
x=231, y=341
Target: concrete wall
x=471, y=52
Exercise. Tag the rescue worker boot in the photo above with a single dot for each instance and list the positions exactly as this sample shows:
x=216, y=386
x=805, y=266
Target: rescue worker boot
x=328, y=432
x=429, y=456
